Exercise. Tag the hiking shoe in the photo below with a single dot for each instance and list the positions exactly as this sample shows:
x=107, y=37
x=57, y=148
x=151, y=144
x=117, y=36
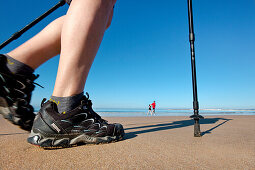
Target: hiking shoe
x=15, y=96
x=79, y=126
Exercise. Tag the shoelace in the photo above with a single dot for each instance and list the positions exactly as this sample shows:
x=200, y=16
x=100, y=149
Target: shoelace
x=88, y=103
x=33, y=79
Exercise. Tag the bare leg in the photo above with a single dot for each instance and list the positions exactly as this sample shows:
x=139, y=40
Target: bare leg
x=44, y=45
x=82, y=33
x=41, y=47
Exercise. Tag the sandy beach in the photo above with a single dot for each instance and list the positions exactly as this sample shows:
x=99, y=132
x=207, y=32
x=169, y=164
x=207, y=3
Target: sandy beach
x=228, y=142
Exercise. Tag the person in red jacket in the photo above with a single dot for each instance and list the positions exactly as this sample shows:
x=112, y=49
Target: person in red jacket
x=153, y=107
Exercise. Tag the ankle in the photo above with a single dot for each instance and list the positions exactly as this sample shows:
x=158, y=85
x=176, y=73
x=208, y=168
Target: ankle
x=17, y=67
x=66, y=104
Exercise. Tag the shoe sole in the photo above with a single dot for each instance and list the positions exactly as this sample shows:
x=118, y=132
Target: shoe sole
x=49, y=141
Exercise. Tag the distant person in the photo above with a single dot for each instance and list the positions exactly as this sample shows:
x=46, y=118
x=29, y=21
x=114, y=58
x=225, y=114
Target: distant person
x=67, y=118
x=153, y=107
x=149, y=111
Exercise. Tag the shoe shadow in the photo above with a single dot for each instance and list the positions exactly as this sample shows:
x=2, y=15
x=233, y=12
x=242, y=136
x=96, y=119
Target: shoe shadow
x=173, y=125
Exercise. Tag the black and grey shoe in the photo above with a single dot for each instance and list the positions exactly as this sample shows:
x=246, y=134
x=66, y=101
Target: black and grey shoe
x=15, y=96
x=79, y=126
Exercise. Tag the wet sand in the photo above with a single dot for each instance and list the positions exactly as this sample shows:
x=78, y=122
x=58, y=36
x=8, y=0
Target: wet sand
x=228, y=142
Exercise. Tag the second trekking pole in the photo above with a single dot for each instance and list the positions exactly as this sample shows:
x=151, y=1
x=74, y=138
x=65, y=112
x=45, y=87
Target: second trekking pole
x=196, y=115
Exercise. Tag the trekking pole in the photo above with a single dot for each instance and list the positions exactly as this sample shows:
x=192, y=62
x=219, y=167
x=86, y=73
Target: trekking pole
x=19, y=33
x=196, y=115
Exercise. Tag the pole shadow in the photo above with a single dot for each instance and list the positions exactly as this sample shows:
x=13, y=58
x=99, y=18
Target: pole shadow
x=174, y=125
x=209, y=131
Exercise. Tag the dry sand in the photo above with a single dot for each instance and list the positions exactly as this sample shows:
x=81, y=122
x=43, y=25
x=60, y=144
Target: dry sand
x=228, y=142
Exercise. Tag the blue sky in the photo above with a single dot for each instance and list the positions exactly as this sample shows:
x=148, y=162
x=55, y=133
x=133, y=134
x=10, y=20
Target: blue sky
x=145, y=54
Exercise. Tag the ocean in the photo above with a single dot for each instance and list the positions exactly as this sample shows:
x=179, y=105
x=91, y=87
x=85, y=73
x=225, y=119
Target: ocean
x=171, y=112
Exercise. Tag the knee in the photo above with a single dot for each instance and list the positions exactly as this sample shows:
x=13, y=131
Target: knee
x=109, y=3
x=105, y=5
x=109, y=20
x=68, y=1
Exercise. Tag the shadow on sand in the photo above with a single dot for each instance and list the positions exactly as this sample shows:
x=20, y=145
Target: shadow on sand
x=174, y=125
x=7, y=134
x=159, y=127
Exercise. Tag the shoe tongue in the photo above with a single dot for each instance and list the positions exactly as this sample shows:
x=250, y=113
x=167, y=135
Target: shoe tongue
x=33, y=77
x=55, y=107
x=27, y=77
x=49, y=104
